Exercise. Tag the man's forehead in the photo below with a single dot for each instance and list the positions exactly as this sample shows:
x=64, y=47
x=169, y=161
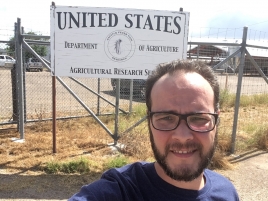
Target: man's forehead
x=188, y=90
x=180, y=77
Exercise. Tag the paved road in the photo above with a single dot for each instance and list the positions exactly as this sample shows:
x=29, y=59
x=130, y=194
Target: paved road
x=250, y=175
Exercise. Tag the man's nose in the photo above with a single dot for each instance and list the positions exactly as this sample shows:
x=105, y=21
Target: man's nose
x=182, y=132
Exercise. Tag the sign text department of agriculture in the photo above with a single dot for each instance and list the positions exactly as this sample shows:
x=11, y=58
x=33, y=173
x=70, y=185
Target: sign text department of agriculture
x=115, y=43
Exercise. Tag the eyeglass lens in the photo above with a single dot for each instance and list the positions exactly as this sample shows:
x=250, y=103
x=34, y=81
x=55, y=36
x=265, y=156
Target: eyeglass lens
x=198, y=122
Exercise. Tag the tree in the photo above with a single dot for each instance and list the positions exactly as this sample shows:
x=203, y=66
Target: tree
x=41, y=50
x=11, y=47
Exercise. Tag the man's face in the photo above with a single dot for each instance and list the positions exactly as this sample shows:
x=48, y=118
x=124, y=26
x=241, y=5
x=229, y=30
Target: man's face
x=183, y=154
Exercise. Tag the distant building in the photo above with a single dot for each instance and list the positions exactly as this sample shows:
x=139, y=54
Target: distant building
x=208, y=53
x=212, y=55
x=261, y=58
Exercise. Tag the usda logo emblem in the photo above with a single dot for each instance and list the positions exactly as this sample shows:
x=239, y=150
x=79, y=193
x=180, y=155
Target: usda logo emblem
x=119, y=46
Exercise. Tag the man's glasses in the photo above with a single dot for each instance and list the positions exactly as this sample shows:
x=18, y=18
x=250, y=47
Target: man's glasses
x=199, y=122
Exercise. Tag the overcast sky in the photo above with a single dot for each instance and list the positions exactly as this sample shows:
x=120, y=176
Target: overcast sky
x=208, y=18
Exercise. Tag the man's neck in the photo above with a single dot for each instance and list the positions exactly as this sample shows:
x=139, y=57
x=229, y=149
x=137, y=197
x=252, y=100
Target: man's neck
x=196, y=184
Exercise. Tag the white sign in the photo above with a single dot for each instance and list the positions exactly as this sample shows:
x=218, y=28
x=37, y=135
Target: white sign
x=113, y=42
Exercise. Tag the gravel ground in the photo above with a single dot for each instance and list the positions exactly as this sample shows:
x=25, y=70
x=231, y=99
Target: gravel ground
x=250, y=177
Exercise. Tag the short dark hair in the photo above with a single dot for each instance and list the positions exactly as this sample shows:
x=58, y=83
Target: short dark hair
x=185, y=66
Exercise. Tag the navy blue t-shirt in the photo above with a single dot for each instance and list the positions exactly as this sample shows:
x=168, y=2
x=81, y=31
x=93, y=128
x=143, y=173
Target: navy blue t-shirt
x=139, y=181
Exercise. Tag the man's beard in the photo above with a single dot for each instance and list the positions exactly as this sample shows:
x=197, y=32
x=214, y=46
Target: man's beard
x=183, y=173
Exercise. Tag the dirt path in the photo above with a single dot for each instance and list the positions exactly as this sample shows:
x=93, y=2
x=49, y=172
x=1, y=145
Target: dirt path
x=250, y=178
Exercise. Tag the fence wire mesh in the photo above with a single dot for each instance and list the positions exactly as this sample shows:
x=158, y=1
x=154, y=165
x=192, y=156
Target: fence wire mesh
x=6, y=105
x=39, y=96
x=254, y=89
x=38, y=85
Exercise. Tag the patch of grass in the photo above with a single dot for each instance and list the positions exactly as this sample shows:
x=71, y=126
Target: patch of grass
x=261, y=99
x=219, y=161
x=259, y=138
x=140, y=110
x=250, y=128
x=262, y=139
x=52, y=167
x=76, y=166
x=85, y=138
x=226, y=99
x=127, y=120
x=250, y=100
x=117, y=162
x=246, y=101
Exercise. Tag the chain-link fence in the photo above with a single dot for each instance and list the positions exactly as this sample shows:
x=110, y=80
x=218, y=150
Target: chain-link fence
x=99, y=94
x=38, y=96
x=242, y=69
x=7, y=82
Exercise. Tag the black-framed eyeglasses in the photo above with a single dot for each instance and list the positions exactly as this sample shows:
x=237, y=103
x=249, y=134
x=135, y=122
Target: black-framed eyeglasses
x=198, y=122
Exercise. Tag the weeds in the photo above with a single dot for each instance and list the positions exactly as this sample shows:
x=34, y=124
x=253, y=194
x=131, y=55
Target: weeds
x=227, y=99
x=260, y=139
x=86, y=142
x=76, y=166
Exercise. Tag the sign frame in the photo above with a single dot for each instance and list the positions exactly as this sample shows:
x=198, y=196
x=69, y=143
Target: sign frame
x=114, y=42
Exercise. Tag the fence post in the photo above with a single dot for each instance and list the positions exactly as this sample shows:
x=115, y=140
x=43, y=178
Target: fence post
x=14, y=95
x=239, y=85
x=14, y=85
x=98, y=99
x=115, y=136
x=54, y=113
x=130, y=95
x=198, y=47
x=24, y=80
x=19, y=72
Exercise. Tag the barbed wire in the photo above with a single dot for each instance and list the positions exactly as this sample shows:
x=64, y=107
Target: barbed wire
x=227, y=33
x=202, y=32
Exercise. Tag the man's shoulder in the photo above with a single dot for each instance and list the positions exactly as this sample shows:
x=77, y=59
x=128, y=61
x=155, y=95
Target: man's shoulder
x=218, y=181
x=219, y=186
x=124, y=183
x=136, y=165
x=214, y=175
x=130, y=169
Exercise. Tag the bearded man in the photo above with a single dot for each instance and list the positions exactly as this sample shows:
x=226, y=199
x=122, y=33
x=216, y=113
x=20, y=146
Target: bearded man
x=182, y=99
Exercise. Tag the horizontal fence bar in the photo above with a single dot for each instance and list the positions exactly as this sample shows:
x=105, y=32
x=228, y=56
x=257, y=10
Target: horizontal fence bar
x=34, y=36
x=37, y=42
x=257, y=46
x=214, y=43
x=6, y=41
